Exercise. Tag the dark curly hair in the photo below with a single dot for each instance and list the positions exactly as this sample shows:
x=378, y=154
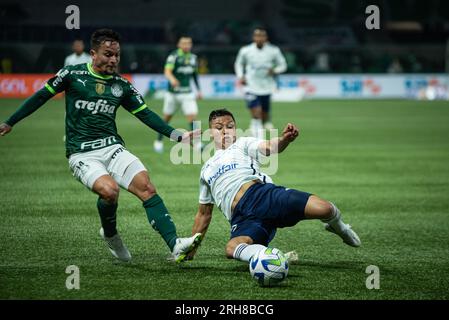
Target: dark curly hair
x=102, y=35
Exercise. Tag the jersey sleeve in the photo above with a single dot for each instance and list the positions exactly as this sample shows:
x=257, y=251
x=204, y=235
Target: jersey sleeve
x=170, y=62
x=205, y=196
x=59, y=81
x=250, y=146
x=133, y=100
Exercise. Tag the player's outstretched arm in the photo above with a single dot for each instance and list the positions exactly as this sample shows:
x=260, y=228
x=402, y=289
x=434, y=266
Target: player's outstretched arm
x=30, y=105
x=152, y=120
x=277, y=145
x=203, y=218
x=202, y=221
x=5, y=129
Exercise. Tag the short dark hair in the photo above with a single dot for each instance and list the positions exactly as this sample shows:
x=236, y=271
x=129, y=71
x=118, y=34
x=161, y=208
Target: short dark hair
x=101, y=35
x=220, y=113
x=260, y=28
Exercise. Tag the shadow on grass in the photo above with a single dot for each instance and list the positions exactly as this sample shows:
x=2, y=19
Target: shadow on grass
x=342, y=264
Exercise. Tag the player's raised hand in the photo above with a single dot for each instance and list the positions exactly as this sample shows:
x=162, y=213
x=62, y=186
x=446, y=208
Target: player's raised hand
x=5, y=129
x=290, y=133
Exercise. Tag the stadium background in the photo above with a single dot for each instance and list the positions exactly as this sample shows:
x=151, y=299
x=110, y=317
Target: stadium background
x=384, y=162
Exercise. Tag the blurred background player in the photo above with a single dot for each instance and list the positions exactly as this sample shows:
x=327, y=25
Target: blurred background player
x=180, y=68
x=256, y=67
x=78, y=56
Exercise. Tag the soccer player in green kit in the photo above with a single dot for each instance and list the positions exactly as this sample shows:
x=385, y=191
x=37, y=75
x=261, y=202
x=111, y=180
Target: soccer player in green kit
x=180, y=68
x=96, y=153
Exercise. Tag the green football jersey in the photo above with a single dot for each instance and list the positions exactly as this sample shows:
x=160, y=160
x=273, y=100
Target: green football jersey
x=185, y=67
x=91, y=102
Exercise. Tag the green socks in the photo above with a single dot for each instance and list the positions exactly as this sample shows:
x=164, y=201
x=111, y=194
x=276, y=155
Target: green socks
x=160, y=220
x=108, y=217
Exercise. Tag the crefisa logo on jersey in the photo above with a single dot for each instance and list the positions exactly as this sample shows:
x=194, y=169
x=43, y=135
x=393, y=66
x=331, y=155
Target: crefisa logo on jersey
x=95, y=107
x=117, y=90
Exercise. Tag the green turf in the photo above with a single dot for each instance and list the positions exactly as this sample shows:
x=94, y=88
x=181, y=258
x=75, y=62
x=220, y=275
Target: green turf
x=384, y=163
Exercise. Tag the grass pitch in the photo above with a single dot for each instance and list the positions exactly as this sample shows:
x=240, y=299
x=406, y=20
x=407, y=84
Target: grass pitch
x=384, y=163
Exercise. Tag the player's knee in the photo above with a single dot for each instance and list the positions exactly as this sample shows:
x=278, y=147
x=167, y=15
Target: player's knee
x=324, y=209
x=109, y=192
x=147, y=191
x=317, y=208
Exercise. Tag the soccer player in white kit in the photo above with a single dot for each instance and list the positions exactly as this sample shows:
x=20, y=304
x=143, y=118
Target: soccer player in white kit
x=254, y=206
x=256, y=67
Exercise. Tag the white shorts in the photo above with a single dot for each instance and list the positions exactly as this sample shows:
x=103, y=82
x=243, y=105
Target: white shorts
x=114, y=160
x=186, y=100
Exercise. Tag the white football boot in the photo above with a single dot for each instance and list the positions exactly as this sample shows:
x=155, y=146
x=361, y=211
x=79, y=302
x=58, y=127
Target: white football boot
x=116, y=246
x=347, y=234
x=184, y=246
x=158, y=146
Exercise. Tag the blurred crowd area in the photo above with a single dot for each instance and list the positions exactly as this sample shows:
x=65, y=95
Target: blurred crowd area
x=323, y=36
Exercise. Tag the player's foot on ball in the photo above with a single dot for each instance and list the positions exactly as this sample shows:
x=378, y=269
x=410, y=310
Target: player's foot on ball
x=347, y=234
x=184, y=246
x=158, y=146
x=116, y=246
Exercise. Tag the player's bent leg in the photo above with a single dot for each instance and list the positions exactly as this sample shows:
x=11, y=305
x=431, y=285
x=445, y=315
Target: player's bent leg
x=160, y=219
x=141, y=186
x=242, y=248
x=106, y=187
x=234, y=242
x=131, y=175
x=157, y=213
x=317, y=208
x=108, y=191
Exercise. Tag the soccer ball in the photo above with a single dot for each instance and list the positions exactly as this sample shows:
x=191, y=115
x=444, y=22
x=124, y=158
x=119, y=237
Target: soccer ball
x=269, y=267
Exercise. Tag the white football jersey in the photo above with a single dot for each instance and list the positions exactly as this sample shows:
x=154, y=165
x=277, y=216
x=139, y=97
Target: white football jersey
x=222, y=175
x=75, y=59
x=254, y=64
